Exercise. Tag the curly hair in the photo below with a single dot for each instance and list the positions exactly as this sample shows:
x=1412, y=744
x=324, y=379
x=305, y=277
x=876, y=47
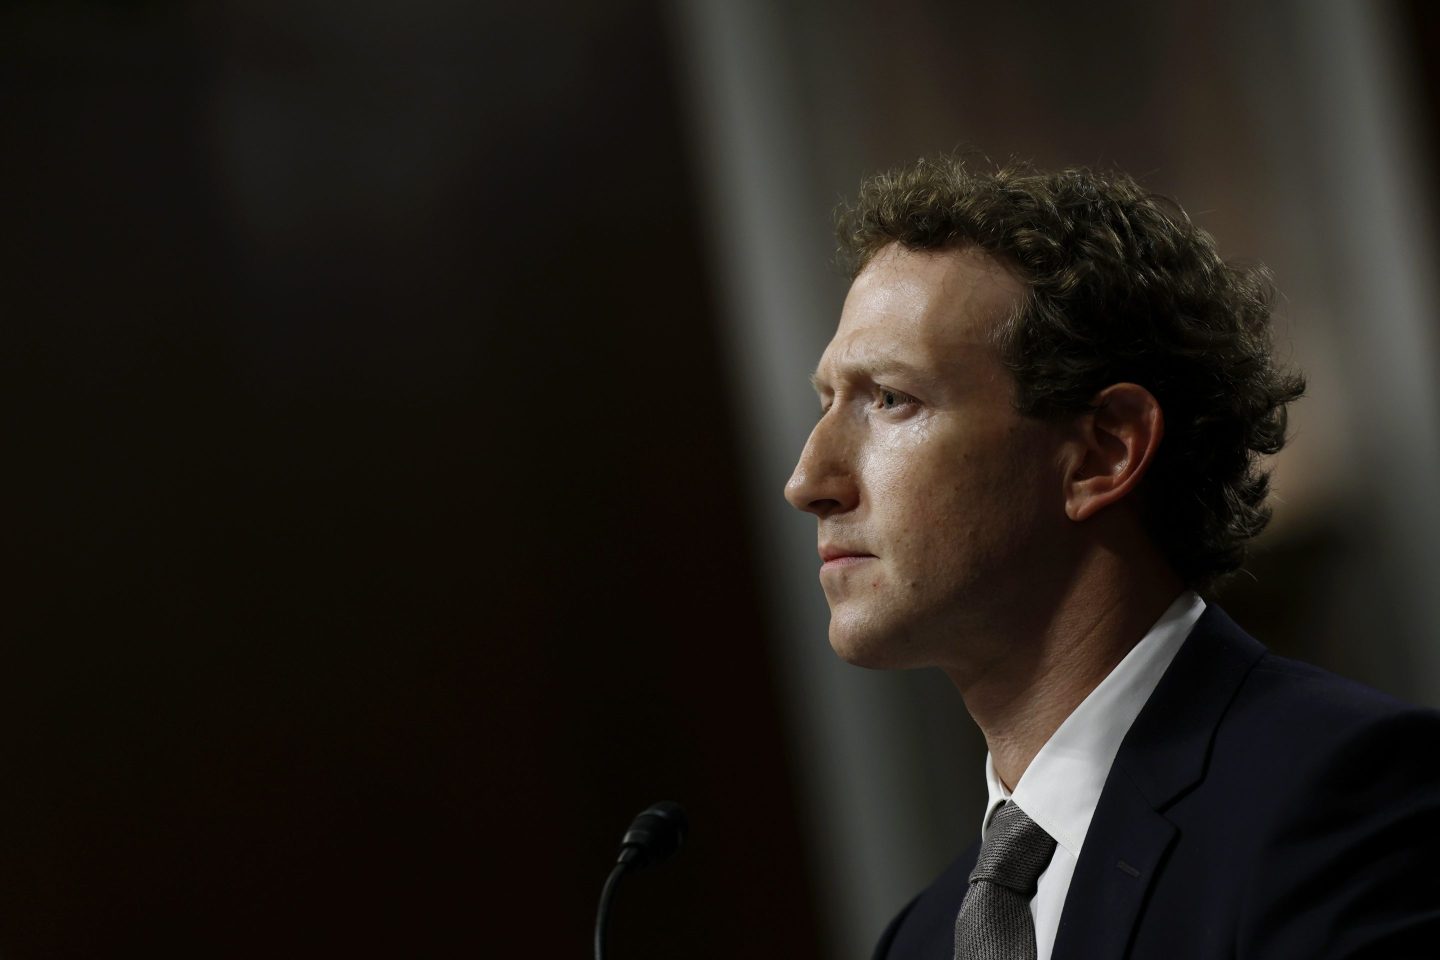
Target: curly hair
x=1121, y=287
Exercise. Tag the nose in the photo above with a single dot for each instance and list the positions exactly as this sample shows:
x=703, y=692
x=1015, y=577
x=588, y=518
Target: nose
x=823, y=482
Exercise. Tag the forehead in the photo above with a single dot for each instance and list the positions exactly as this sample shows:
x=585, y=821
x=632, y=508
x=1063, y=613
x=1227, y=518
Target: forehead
x=922, y=308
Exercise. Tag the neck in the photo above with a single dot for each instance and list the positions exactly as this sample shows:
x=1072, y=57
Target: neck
x=1047, y=669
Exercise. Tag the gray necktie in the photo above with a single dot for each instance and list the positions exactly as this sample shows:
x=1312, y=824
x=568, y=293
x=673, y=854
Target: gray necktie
x=994, y=921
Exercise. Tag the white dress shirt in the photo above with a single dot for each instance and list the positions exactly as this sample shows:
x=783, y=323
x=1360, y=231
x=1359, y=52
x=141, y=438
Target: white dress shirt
x=1061, y=787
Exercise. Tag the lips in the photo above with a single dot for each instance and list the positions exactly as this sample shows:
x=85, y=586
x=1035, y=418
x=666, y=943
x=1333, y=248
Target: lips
x=832, y=553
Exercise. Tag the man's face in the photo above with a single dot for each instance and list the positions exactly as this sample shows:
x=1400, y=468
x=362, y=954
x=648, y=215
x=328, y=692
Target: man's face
x=936, y=500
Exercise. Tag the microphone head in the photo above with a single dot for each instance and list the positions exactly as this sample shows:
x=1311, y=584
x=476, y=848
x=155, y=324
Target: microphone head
x=655, y=835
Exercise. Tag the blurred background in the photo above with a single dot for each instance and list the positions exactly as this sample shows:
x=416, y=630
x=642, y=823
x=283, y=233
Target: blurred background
x=398, y=398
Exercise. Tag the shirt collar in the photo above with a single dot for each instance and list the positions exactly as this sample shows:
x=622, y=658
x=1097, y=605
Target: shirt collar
x=1061, y=787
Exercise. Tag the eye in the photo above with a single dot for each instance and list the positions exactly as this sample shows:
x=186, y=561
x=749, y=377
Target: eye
x=888, y=399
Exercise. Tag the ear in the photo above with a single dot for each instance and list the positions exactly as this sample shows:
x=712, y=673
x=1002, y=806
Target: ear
x=1114, y=446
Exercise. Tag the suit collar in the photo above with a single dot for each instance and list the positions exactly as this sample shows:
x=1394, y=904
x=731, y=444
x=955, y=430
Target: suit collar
x=1166, y=750
x=1163, y=756
x=1062, y=784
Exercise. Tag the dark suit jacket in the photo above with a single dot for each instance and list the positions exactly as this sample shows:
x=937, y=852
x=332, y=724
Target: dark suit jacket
x=1258, y=808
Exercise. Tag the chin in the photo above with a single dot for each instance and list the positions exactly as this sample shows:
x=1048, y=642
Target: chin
x=867, y=648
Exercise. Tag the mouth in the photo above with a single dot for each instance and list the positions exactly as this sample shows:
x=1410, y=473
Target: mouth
x=838, y=558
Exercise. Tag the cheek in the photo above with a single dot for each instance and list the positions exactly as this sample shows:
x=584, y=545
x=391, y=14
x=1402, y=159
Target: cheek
x=886, y=464
x=908, y=495
x=938, y=488
x=966, y=504
x=912, y=461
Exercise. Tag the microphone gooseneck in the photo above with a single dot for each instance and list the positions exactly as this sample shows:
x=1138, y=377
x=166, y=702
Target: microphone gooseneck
x=653, y=838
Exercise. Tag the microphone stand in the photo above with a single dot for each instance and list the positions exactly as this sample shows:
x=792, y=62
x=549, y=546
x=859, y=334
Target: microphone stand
x=607, y=893
x=654, y=837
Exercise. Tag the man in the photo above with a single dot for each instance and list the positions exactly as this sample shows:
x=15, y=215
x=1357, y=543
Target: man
x=1042, y=417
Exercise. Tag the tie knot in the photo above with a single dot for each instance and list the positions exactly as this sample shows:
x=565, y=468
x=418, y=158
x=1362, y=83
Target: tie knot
x=1015, y=852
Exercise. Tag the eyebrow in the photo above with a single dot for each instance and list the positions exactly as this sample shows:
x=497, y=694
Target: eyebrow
x=874, y=371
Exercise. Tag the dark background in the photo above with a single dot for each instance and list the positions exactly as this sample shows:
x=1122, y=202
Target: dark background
x=375, y=545
x=374, y=554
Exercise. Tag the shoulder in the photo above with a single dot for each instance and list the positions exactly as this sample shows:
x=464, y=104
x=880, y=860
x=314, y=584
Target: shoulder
x=1228, y=695
x=1351, y=834
x=1233, y=722
x=1322, y=694
x=1294, y=720
x=1320, y=796
x=1314, y=755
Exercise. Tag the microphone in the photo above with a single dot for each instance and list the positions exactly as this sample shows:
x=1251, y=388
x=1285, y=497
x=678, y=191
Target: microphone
x=655, y=835
x=653, y=838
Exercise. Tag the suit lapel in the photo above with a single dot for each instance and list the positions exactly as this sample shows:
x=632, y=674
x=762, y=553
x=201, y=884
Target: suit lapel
x=1163, y=756
x=1123, y=851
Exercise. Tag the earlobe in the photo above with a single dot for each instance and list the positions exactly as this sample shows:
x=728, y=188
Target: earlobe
x=1115, y=444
